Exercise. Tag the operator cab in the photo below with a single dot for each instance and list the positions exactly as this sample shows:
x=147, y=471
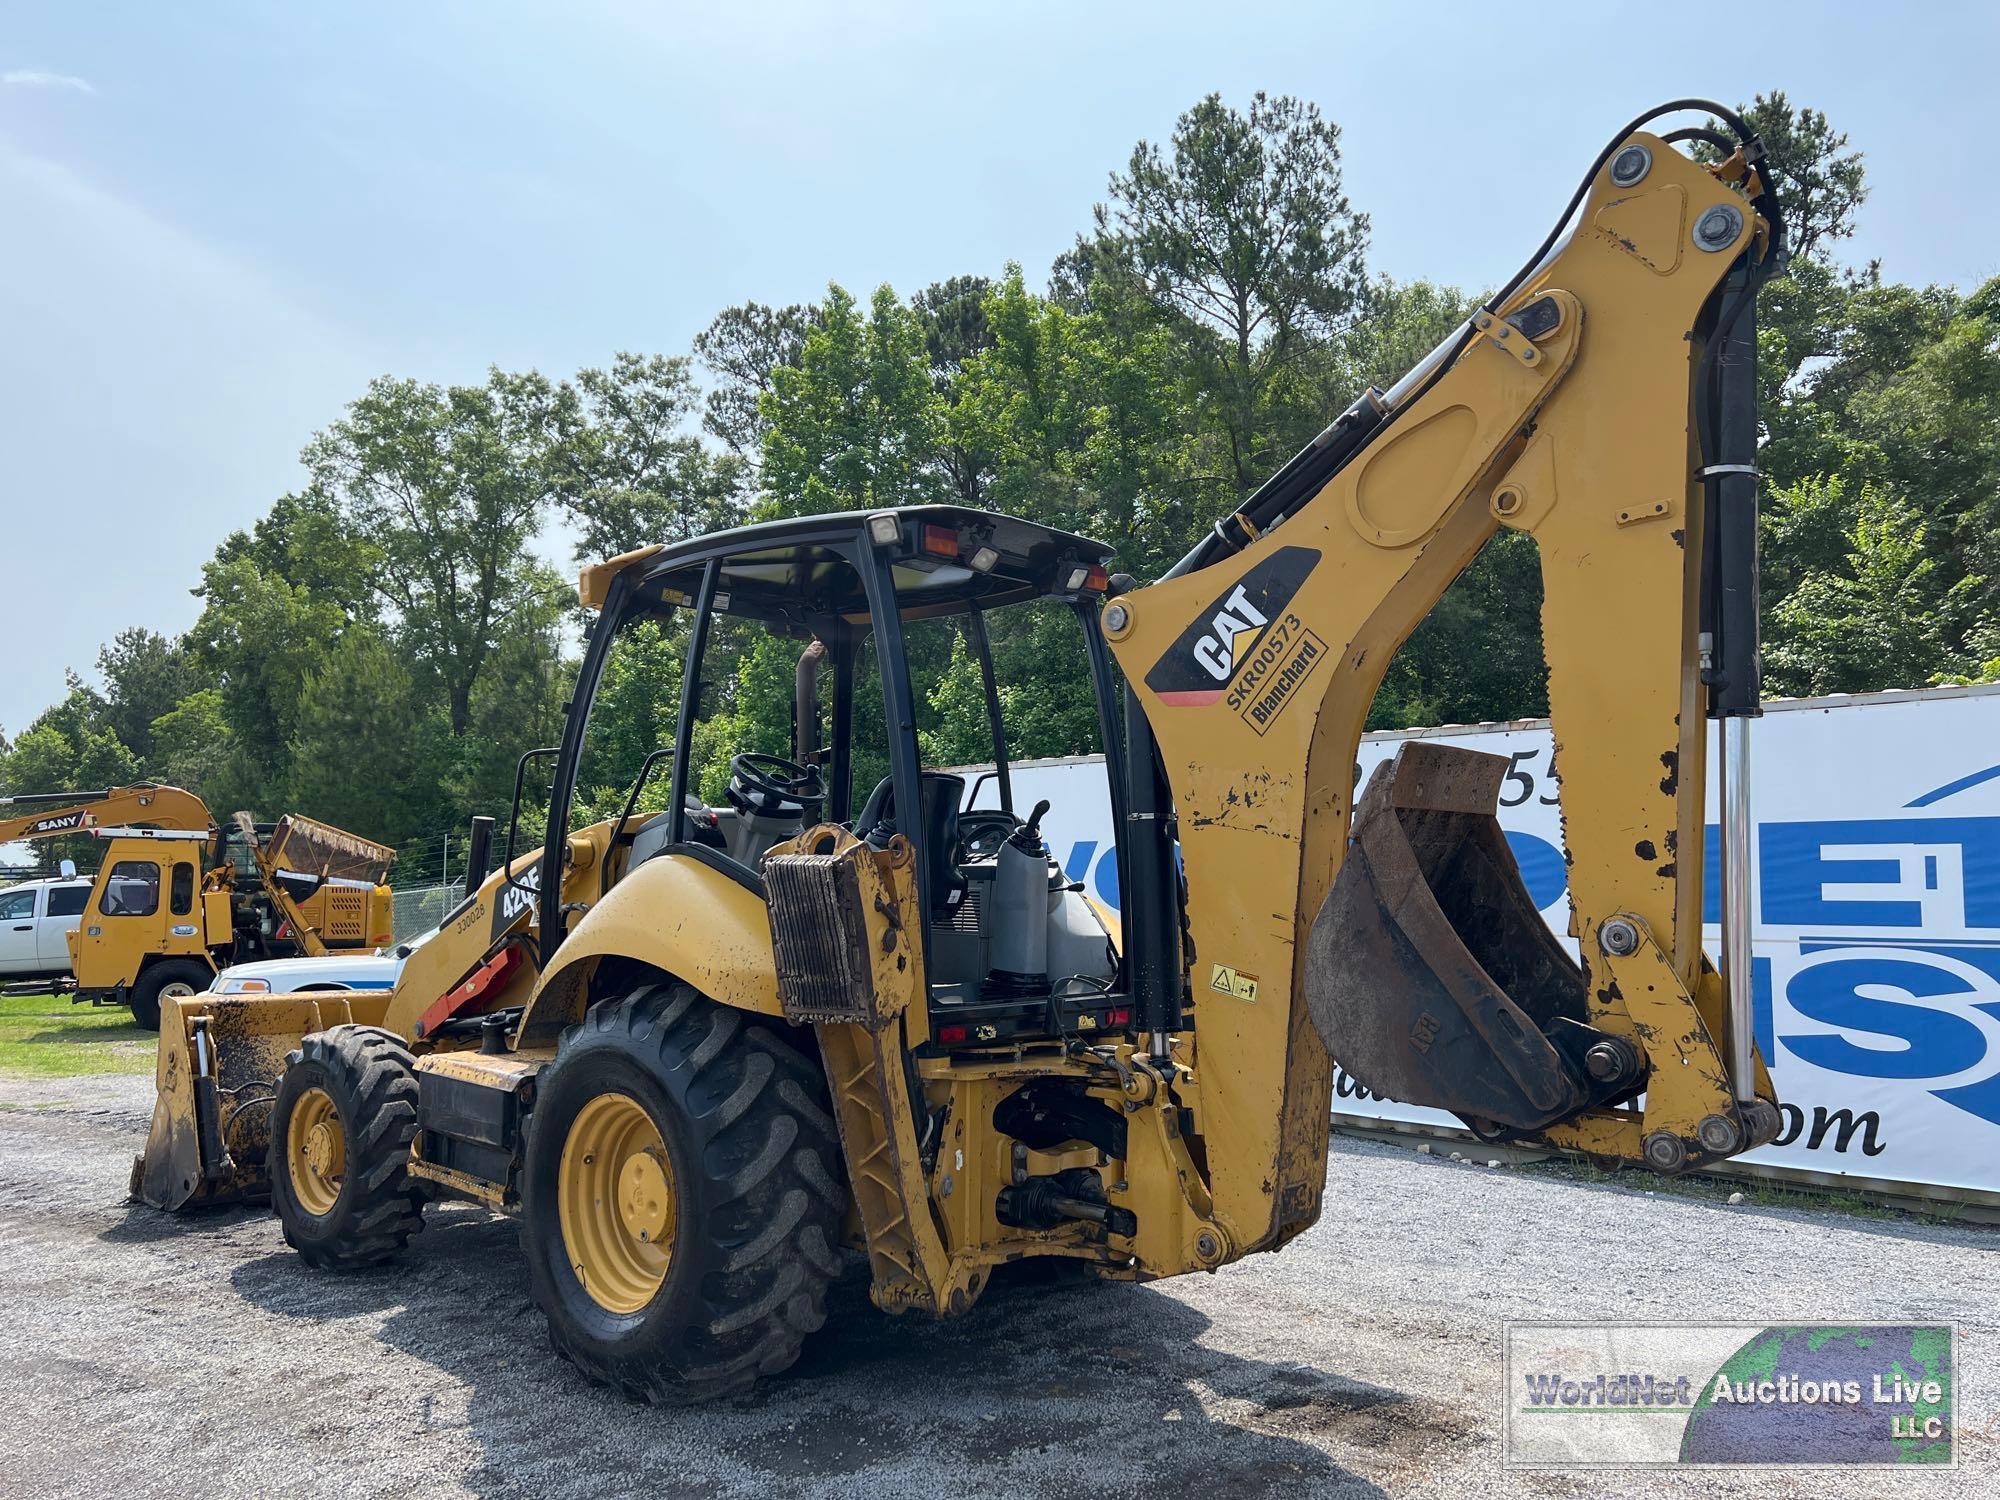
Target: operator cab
x=883, y=671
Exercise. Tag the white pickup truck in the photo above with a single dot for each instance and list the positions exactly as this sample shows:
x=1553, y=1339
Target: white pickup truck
x=35, y=917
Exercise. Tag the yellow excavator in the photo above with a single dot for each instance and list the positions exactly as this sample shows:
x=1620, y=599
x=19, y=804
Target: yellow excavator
x=176, y=897
x=700, y=1050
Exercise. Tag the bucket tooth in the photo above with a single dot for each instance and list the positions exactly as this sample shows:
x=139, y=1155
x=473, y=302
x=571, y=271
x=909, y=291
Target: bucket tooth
x=1430, y=975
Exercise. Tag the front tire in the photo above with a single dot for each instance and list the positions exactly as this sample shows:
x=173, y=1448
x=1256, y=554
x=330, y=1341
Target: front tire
x=173, y=980
x=341, y=1126
x=681, y=1198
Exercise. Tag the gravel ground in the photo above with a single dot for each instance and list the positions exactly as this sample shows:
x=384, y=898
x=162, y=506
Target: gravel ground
x=197, y=1356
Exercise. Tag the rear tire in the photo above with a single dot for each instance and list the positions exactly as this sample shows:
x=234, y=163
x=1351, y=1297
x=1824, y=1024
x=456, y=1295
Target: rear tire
x=341, y=1126
x=749, y=1233
x=163, y=982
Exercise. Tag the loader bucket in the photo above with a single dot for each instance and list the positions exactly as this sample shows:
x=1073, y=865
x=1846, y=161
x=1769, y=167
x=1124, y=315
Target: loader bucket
x=1430, y=975
x=219, y=1063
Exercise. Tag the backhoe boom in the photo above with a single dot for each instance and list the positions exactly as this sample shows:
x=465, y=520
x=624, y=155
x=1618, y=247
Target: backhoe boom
x=1569, y=411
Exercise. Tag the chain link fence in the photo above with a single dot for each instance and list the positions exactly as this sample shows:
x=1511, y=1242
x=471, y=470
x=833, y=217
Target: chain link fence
x=418, y=908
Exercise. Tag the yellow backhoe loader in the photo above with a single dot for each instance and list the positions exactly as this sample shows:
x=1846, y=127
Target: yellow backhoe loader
x=176, y=897
x=698, y=1050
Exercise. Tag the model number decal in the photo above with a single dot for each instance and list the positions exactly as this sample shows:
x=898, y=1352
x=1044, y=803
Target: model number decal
x=514, y=898
x=1282, y=660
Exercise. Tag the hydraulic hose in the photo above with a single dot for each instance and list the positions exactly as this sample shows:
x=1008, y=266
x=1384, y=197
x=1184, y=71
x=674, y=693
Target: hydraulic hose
x=1308, y=471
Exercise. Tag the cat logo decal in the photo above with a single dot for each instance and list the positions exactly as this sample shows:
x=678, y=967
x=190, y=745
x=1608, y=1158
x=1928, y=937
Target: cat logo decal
x=1198, y=667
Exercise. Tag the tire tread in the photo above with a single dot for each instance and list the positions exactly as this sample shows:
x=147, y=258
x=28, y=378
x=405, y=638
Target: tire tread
x=764, y=1291
x=383, y=1205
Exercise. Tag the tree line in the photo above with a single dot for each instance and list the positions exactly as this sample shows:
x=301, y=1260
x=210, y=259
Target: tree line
x=379, y=648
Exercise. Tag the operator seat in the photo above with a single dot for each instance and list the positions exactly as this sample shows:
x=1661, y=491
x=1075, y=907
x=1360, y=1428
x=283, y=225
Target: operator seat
x=942, y=792
x=695, y=826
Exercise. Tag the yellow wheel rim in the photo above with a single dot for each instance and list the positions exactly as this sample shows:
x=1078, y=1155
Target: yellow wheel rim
x=316, y=1150
x=615, y=1194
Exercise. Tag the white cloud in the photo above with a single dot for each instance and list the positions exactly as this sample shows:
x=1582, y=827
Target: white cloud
x=37, y=78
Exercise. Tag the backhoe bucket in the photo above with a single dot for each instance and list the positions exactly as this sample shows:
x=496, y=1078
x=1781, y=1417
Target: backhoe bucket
x=219, y=1062
x=1430, y=975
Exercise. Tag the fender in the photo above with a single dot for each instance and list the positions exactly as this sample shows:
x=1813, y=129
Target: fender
x=682, y=917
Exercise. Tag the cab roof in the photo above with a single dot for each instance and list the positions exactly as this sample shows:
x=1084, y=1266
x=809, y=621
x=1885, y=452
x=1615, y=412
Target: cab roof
x=801, y=569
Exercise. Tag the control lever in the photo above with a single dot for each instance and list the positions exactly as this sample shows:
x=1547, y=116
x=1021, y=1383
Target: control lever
x=1029, y=835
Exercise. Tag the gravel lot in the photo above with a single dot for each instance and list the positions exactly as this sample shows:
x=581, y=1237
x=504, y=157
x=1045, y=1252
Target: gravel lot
x=197, y=1356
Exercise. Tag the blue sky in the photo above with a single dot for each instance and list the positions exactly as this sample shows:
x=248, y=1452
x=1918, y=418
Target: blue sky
x=221, y=222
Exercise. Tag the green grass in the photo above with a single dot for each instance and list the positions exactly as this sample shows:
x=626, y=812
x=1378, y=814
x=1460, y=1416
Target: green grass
x=45, y=1036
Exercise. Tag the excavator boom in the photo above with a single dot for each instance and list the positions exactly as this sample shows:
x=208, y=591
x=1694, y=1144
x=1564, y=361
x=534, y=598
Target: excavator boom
x=45, y=815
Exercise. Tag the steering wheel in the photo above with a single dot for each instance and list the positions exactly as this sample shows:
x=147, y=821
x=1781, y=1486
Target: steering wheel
x=776, y=782
x=982, y=830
